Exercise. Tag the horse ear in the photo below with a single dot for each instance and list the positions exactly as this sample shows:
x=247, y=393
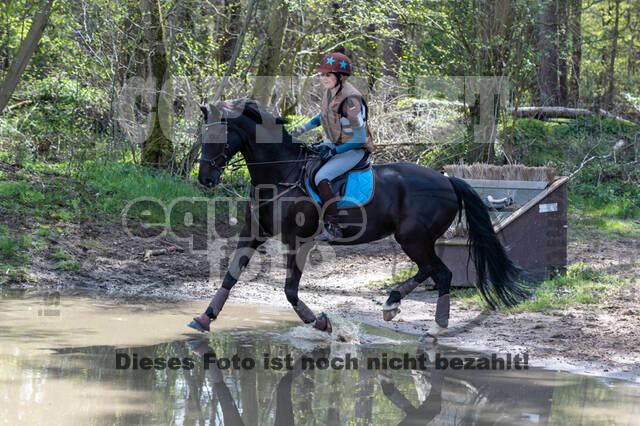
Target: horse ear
x=205, y=110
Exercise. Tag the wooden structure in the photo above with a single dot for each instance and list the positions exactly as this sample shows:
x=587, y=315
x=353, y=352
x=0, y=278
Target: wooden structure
x=534, y=233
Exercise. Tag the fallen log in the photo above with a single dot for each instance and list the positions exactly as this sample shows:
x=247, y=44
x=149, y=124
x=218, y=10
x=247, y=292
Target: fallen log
x=542, y=113
x=159, y=252
x=18, y=105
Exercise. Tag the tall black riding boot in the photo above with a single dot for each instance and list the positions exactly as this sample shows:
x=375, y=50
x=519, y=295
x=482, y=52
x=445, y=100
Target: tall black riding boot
x=332, y=229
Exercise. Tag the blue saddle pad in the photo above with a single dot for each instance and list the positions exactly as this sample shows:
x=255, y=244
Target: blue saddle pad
x=359, y=189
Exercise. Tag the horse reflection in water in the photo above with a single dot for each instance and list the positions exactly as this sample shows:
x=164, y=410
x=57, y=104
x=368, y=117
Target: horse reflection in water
x=444, y=396
x=284, y=405
x=284, y=415
x=428, y=409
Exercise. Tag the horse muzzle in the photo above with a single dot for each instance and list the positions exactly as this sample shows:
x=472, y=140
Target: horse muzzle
x=209, y=181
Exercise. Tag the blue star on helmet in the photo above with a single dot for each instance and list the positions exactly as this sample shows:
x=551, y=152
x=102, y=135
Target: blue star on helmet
x=343, y=64
x=330, y=60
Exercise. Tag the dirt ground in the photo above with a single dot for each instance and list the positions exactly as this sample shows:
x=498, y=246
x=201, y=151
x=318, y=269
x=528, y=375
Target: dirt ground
x=600, y=339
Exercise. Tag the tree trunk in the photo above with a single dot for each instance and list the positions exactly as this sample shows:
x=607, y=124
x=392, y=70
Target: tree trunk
x=543, y=113
x=270, y=58
x=371, y=53
x=157, y=150
x=632, y=55
x=251, y=7
x=231, y=28
x=563, y=88
x=576, y=51
x=610, y=75
x=392, y=50
x=27, y=48
x=547, y=45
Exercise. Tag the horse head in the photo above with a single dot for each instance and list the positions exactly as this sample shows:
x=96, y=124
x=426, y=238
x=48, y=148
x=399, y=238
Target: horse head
x=218, y=144
x=232, y=126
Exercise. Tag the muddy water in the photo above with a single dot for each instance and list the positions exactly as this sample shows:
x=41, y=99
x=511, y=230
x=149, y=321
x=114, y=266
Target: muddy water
x=79, y=360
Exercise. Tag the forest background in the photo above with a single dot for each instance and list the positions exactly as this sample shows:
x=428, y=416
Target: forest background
x=106, y=92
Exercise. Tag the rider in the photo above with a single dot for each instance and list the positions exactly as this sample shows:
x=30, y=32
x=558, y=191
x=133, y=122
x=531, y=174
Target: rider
x=343, y=119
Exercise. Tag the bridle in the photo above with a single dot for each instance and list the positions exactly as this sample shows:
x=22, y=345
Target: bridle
x=237, y=164
x=224, y=154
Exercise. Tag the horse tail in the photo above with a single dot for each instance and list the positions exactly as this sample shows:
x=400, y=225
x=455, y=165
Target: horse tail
x=486, y=251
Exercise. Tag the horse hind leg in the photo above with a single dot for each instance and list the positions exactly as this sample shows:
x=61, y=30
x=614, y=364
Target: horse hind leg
x=391, y=307
x=442, y=277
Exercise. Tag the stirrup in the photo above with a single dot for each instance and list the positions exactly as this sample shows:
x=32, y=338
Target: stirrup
x=330, y=232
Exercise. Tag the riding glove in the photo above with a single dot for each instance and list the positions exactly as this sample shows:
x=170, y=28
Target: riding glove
x=327, y=152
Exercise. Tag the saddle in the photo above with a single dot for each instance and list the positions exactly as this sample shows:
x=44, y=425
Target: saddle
x=354, y=187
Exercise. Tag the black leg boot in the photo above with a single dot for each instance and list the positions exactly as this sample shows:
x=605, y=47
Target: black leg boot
x=332, y=229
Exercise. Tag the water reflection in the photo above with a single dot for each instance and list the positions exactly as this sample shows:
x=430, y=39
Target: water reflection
x=81, y=384
x=86, y=381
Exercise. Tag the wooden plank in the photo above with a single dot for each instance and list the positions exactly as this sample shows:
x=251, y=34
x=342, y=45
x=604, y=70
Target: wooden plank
x=535, y=200
x=506, y=184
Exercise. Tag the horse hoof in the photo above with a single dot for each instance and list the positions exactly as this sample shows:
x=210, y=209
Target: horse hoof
x=197, y=324
x=323, y=323
x=390, y=314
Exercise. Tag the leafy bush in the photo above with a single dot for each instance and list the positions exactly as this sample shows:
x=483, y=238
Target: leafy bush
x=606, y=181
x=63, y=120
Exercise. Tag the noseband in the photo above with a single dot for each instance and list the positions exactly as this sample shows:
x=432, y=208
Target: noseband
x=224, y=154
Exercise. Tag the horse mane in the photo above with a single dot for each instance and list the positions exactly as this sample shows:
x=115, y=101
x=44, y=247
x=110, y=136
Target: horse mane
x=250, y=109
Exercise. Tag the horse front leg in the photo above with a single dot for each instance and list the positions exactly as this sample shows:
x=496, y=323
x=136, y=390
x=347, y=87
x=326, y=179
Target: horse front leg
x=245, y=249
x=296, y=258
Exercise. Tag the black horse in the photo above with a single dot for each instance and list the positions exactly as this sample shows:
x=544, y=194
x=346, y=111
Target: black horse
x=414, y=203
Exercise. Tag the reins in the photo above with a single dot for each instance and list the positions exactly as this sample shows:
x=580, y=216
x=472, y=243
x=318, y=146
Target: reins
x=236, y=164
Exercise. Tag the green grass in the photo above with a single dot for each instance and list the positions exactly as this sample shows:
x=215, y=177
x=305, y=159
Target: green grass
x=45, y=197
x=614, y=200
x=11, y=247
x=11, y=274
x=66, y=262
x=604, y=187
x=68, y=265
x=170, y=199
x=60, y=254
x=565, y=143
x=468, y=298
x=581, y=286
x=29, y=197
x=14, y=254
x=613, y=229
x=115, y=184
x=101, y=190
